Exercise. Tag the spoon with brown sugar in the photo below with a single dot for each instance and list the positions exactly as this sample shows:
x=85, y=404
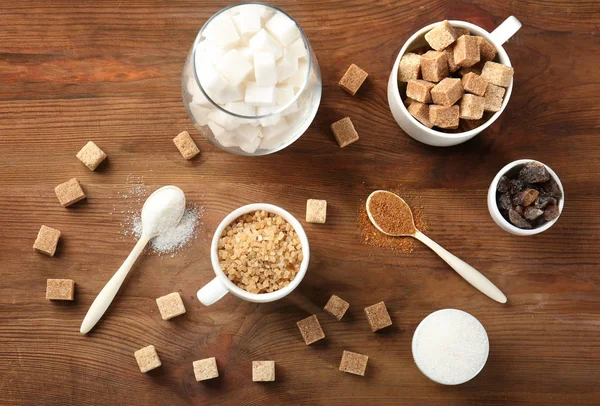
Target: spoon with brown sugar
x=390, y=214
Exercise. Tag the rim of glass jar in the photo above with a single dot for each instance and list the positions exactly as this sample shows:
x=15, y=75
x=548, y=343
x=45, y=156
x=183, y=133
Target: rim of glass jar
x=273, y=113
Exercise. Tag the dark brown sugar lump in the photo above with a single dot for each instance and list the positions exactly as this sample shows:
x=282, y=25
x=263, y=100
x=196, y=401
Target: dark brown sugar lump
x=170, y=306
x=441, y=36
x=353, y=79
x=60, y=289
x=344, y=132
x=47, y=240
x=336, y=306
x=378, y=316
x=186, y=145
x=311, y=330
x=354, y=363
x=91, y=155
x=263, y=371
x=205, y=369
x=69, y=192
x=147, y=358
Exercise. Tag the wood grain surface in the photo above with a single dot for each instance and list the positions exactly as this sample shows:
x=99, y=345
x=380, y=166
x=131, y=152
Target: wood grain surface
x=109, y=71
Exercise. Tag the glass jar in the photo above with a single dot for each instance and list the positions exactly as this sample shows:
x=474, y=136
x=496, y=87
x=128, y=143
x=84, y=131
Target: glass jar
x=246, y=118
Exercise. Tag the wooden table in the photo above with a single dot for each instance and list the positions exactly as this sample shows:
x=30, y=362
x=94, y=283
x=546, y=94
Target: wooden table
x=110, y=72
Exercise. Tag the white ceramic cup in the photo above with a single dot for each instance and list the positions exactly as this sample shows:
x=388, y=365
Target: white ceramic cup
x=429, y=136
x=512, y=169
x=221, y=285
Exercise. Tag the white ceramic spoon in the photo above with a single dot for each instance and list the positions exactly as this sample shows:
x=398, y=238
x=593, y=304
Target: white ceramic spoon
x=470, y=274
x=162, y=210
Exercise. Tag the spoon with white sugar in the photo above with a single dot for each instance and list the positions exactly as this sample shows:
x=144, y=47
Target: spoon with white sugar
x=390, y=214
x=162, y=211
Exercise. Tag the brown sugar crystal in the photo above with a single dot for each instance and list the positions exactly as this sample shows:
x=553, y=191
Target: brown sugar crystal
x=353, y=79
x=419, y=90
x=170, y=306
x=420, y=111
x=186, y=145
x=434, y=66
x=441, y=36
x=471, y=107
x=410, y=67
x=354, y=363
x=493, y=97
x=60, y=289
x=263, y=371
x=497, y=74
x=473, y=83
x=378, y=316
x=391, y=213
x=466, y=51
x=47, y=240
x=311, y=330
x=336, y=306
x=444, y=116
x=147, y=358
x=205, y=369
x=344, y=132
x=91, y=155
x=487, y=52
x=69, y=192
x=447, y=92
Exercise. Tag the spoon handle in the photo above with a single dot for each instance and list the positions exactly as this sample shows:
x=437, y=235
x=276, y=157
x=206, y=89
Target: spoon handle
x=470, y=274
x=108, y=293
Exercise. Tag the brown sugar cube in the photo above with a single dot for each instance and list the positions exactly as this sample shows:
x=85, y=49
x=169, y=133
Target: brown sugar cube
x=471, y=107
x=444, y=116
x=477, y=68
x=336, y=306
x=353, y=79
x=493, y=96
x=147, y=358
x=205, y=369
x=60, y=289
x=441, y=36
x=311, y=330
x=452, y=66
x=466, y=51
x=473, y=83
x=461, y=31
x=354, y=363
x=410, y=67
x=47, y=240
x=408, y=101
x=91, y=155
x=434, y=66
x=69, y=192
x=420, y=111
x=497, y=74
x=378, y=316
x=263, y=371
x=170, y=306
x=468, y=125
x=447, y=92
x=419, y=90
x=186, y=145
x=487, y=52
x=316, y=211
x=344, y=132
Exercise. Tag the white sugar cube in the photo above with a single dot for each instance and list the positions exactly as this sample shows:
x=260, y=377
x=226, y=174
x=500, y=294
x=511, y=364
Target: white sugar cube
x=199, y=98
x=283, y=28
x=264, y=69
x=249, y=19
x=298, y=79
x=222, y=31
x=234, y=66
x=259, y=95
x=274, y=136
x=231, y=93
x=266, y=13
x=286, y=67
x=212, y=82
x=294, y=108
x=223, y=119
x=216, y=129
x=248, y=131
x=207, y=51
x=241, y=108
x=248, y=138
x=272, y=119
x=297, y=49
x=262, y=41
x=248, y=53
x=228, y=140
x=284, y=95
x=200, y=113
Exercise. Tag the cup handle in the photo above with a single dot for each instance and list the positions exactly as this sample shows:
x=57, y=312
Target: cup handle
x=212, y=292
x=507, y=29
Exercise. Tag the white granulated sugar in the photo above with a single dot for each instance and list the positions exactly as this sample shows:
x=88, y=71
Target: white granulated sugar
x=450, y=346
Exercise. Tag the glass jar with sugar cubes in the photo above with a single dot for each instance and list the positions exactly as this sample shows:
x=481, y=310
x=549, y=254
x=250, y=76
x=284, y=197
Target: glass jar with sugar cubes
x=251, y=83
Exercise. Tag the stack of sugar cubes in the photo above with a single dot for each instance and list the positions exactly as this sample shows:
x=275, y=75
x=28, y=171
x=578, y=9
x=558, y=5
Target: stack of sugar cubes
x=252, y=61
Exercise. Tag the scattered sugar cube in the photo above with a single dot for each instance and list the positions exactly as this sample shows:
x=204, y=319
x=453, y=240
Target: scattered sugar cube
x=47, y=240
x=447, y=92
x=344, y=132
x=234, y=66
x=186, y=145
x=441, y=36
x=410, y=67
x=378, y=316
x=316, y=211
x=461, y=31
x=286, y=67
x=311, y=330
x=354, y=363
x=283, y=28
x=353, y=79
x=473, y=83
x=249, y=19
x=336, y=306
x=493, y=97
x=147, y=358
x=420, y=111
x=60, y=289
x=466, y=51
x=257, y=95
x=444, y=116
x=419, y=90
x=452, y=66
x=263, y=42
x=263, y=371
x=205, y=369
x=487, y=52
x=284, y=95
x=264, y=69
x=170, y=306
x=222, y=31
x=497, y=74
x=91, y=156
x=471, y=107
x=297, y=49
x=69, y=192
x=434, y=66
x=471, y=69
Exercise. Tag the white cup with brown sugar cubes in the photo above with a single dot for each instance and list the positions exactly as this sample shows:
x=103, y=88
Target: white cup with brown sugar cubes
x=259, y=253
x=451, y=81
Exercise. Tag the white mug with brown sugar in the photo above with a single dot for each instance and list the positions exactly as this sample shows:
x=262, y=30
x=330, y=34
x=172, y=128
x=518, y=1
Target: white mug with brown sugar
x=221, y=284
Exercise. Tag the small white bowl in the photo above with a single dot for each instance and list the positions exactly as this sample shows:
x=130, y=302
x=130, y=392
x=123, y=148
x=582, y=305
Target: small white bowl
x=512, y=169
x=221, y=285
